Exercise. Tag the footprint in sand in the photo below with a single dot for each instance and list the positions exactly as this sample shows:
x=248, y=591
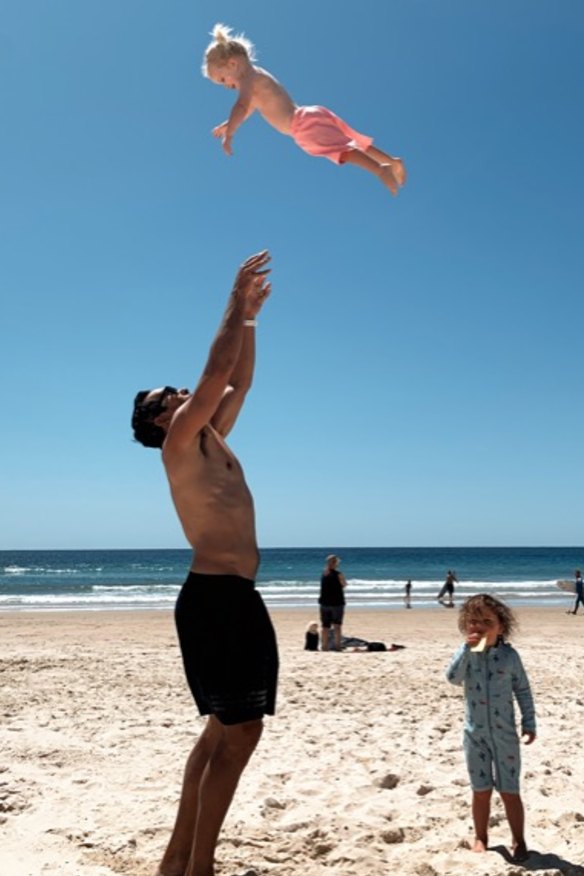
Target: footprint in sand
x=387, y=782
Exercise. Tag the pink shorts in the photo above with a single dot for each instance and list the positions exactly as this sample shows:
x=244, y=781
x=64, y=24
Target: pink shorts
x=320, y=132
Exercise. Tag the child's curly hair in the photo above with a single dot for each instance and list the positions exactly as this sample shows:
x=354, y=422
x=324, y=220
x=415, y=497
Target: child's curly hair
x=475, y=607
x=226, y=46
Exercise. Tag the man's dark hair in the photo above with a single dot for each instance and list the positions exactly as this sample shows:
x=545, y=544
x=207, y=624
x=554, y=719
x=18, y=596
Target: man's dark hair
x=145, y=429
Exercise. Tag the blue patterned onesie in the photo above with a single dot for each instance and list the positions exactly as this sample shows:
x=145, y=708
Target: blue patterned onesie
x=491, y=744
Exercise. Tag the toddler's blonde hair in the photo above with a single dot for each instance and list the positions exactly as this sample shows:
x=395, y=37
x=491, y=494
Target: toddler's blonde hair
x=225, y=46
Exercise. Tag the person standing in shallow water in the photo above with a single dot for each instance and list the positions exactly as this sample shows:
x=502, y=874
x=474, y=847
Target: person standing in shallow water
x=579, y=591
x=332, y=603
x=226, y=637
x=448, y=590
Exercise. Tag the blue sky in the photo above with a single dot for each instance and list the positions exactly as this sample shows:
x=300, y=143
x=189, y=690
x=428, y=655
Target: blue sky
x=420, y=362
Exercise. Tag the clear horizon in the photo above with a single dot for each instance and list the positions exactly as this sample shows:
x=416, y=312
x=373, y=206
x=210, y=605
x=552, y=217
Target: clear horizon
x=323, y=547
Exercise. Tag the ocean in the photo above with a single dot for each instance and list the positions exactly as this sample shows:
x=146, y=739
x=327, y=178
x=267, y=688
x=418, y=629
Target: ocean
x=288, y=577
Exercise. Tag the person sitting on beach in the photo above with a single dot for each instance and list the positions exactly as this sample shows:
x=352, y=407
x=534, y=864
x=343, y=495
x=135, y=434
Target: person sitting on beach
x=229, y=61
x=226, y=637
x=311, y=637
x=579, y=591
x=492, y=674
x=332, y=603
x=355, y=644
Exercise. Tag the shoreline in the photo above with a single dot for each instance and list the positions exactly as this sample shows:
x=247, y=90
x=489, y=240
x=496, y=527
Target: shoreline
x=556, y=603
x=517, y=606
x=358, y=772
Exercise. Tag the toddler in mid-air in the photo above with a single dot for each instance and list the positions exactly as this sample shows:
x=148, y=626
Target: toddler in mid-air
x=493, y=675
x=229, y=61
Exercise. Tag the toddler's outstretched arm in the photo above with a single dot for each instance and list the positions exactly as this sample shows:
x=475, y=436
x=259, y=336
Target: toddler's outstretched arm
x=241, y=110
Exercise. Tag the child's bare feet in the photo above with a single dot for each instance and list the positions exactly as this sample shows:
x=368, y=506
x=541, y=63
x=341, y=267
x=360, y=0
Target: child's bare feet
x=399, y=171
x=520, y=852
x=479, y=845
x=388, y=179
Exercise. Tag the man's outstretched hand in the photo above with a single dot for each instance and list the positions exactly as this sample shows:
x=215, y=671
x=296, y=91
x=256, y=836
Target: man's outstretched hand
x=252, y=282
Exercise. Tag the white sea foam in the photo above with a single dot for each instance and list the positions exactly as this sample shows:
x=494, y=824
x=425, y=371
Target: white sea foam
x=86, y=600
x=41, y=570
x=75, y=593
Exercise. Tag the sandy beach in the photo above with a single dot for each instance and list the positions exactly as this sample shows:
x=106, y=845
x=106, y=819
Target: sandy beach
x=360, y=773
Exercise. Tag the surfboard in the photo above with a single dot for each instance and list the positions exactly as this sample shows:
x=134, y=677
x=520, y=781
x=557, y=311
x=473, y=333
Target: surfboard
x=567, y=586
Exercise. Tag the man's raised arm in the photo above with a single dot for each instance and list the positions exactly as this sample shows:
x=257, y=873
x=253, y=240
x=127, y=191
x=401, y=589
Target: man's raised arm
x=242, y=375
x=224, y=355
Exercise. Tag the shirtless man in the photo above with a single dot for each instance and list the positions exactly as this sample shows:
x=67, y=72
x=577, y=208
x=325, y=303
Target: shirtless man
x=227, y=640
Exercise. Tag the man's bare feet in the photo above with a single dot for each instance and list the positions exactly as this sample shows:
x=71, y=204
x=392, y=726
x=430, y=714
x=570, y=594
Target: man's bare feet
x=388, y=179
x=479, y=845
x=171, y=872
x=399, y=171
x=520, y=852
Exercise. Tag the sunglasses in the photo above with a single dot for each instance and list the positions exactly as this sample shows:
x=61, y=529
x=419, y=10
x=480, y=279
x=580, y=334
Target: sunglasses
x=167, y=390
x=157, y=406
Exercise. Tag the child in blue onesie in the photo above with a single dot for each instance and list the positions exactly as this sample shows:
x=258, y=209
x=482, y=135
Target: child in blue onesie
x=492, y=674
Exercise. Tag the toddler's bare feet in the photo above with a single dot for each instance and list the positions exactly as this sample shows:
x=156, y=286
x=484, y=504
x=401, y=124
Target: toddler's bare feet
x=388, y=179
x=520, y=852
x=479, y=846
x=399, y=171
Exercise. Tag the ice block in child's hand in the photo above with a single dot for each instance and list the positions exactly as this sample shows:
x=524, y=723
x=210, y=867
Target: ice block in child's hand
x=480, y=646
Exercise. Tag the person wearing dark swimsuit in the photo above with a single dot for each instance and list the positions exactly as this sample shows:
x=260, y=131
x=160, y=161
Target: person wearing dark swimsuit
x=332, y=602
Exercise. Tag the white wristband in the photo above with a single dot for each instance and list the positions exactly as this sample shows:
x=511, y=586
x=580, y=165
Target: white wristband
x=250, y=322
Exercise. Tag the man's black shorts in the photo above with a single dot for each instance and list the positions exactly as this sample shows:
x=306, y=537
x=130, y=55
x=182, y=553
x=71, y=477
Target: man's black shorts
x=228, y=647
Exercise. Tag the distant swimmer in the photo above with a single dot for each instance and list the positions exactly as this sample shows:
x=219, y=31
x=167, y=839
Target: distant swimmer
x=229, y=61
